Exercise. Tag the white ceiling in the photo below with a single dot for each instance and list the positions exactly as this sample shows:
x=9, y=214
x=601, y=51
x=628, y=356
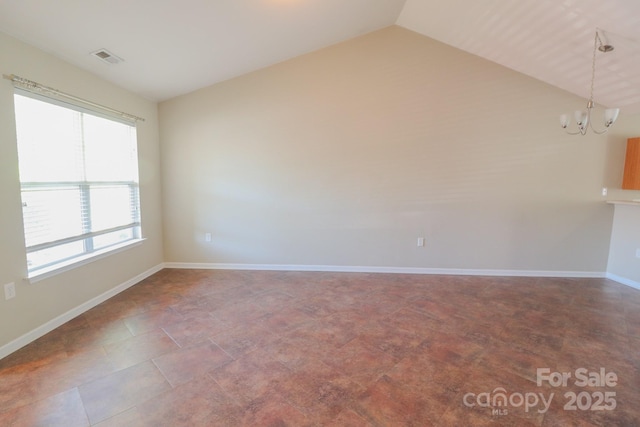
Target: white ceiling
x=173, y=47
x=551, y=40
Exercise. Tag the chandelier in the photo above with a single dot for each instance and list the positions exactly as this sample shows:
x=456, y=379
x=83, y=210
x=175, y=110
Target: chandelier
x=583, y=118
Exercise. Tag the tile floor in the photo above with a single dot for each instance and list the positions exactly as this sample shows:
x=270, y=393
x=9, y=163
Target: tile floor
x=248, y=348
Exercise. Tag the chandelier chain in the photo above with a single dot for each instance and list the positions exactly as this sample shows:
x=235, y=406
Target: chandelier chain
x=593, y=64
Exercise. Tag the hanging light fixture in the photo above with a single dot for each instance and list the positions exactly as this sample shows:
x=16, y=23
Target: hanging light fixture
x=583, y=118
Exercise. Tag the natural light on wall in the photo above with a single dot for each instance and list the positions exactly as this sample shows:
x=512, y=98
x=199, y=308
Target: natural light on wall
x=79, y=181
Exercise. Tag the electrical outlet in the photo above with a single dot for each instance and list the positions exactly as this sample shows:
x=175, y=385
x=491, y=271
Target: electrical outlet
x=207, y=237
x=420, y=242
x=604, y=191
x=9, y=290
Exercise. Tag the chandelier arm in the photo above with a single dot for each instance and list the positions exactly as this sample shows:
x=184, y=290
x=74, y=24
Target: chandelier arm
x=597, y=132
x=590, y=122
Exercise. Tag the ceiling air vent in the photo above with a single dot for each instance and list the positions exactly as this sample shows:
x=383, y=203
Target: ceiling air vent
x=106, y=56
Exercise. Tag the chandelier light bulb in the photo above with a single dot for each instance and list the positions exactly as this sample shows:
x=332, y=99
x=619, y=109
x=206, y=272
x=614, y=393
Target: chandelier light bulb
x=611, y=115
x=581, y=118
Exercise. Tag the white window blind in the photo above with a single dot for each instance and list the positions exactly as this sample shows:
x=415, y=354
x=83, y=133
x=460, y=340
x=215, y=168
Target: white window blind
x=79, y=181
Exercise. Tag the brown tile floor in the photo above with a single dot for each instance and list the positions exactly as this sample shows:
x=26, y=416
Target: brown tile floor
x=233, y=348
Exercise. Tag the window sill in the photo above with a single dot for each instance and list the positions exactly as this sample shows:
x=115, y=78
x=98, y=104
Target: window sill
x=54, y=270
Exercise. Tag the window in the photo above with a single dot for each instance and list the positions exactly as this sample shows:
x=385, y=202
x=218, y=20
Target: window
x=79, y=181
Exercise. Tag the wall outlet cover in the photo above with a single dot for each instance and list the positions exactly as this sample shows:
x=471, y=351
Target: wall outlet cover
x=9, y=290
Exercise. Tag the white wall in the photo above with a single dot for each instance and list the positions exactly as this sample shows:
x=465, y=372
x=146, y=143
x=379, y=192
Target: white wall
x=39, y=303
x=345, y=156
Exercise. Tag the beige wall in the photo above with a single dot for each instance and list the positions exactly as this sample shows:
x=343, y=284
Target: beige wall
x=345, y=156
x=41, y=302
x=625, y=242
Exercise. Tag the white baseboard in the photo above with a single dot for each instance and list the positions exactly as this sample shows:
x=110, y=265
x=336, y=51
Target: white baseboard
x=398, y=270
x=623, y=280
x=41, y=330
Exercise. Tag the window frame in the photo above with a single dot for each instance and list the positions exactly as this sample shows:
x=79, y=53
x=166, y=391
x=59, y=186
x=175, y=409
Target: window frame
x=89, y=253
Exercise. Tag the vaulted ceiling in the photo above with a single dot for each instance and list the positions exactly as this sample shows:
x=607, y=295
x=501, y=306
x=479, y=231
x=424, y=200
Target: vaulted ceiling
x=173, y=47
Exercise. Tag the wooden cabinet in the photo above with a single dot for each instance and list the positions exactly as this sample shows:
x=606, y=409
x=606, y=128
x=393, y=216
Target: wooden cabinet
x=631, y=178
